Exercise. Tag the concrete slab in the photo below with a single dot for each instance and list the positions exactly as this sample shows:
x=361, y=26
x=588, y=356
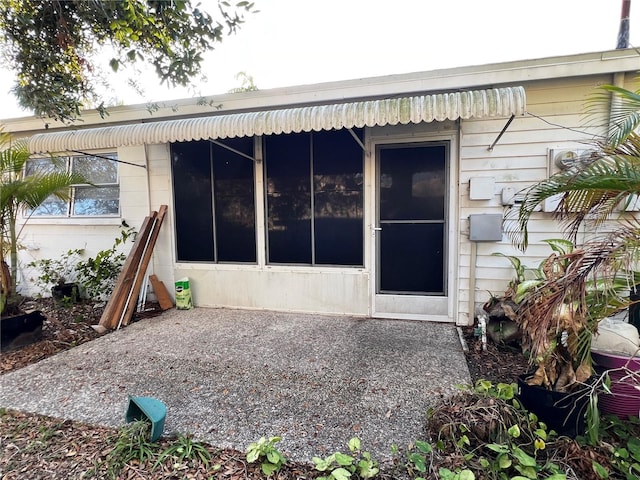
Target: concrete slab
x=232, y=376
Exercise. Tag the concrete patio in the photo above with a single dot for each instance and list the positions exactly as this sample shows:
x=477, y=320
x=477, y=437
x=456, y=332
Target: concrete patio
x=232, y=376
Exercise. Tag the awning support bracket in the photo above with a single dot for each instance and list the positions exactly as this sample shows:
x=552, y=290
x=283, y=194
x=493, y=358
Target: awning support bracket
x=357, y=139
x=504, y=129
x=107, y=158
x=237, y=152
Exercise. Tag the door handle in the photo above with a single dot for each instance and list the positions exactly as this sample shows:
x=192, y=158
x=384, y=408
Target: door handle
x=377, y=229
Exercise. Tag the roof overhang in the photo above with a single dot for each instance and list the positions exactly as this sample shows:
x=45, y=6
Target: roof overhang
x=489, y=103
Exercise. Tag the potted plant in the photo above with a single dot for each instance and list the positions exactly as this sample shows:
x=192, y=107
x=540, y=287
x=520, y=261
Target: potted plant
x=557, y=312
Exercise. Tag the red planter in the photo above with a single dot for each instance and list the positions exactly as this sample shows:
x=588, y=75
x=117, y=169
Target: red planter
x=624, y=399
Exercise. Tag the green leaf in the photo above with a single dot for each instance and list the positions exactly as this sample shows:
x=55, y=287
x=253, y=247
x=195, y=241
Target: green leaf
x=354, y=444
x=557, y=476
x=322, y=464
x=528, y=472
x=523, y=458
x=498, y=448
x=252, y=455
x=274, y=456
x=634, y=447
x=541, y=433
x=504, y=461
x=446, y=474
x=269, y=468
x=466, y=475
x=599, y=470
x=514, y=431
x=622, y=453
x=343, y=459
x=418, y=461
x=341, y=474
x=424, y=447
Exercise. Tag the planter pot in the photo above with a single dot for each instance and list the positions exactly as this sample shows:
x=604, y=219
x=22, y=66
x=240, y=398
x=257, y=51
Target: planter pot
x=20, y=330
x=562, y=412
x=624, y=399
x=65, y=290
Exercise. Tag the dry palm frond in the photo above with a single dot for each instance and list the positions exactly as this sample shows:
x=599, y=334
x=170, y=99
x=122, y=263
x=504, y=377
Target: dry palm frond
x=559, y=316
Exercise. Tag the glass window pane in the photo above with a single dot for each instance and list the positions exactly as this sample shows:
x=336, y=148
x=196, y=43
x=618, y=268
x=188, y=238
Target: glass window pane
x=412, y=258
x=96, y=201
x=234, y=201
x=412, y=183
x=97, y=170
x=338, y=198
x=287, y=159
x=192, y=193
x=51, y=207
x=45, y=165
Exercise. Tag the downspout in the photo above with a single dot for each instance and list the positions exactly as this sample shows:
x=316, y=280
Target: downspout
x=472, y=281
x=618, y=81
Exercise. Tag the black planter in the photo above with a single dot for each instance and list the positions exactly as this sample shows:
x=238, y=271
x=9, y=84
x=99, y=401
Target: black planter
x=20, y=330
x=562, y=412
x=65, y=291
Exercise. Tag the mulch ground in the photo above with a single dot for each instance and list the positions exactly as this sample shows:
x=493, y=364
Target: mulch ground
x=37, y=447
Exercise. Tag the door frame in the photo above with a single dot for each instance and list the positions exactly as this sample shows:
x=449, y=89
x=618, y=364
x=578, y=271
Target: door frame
x=414, y=307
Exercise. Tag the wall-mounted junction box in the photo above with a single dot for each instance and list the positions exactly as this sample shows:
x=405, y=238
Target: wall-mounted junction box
x=485, y=227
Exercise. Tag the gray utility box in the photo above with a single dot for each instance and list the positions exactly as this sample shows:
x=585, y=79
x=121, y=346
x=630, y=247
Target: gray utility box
x=485, y=227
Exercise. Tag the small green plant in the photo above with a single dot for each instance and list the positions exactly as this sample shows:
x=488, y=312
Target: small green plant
x=503, y=391
x=131, y=444
x=491, y=436
x=56, y=271
x=98, y=275
x=446, y=474
x=418, y=458
x=185, y=448
x=622, y=440
x=266, y=452
x=341, y=466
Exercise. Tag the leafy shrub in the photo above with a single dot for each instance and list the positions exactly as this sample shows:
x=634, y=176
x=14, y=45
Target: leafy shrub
x=56, y=271
x=98, y=275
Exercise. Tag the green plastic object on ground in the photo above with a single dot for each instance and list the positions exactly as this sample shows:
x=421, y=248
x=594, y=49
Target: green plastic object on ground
x=184, y=301
x=149, y=408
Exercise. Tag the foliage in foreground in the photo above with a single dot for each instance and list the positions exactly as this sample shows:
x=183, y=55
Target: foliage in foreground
x=482, y=433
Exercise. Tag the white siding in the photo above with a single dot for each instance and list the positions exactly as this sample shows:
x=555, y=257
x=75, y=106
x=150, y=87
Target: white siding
x=518, y=160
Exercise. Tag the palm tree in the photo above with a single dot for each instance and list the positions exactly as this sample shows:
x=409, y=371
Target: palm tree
x=573, y=299
x=598, y=186
x=21, y=192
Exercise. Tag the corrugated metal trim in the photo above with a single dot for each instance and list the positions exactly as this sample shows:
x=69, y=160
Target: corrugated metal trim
x=495, y=102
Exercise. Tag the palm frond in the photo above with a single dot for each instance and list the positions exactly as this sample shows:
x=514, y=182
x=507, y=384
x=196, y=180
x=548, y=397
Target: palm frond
x=39, y=187
x=620, y=106
x=595, y=191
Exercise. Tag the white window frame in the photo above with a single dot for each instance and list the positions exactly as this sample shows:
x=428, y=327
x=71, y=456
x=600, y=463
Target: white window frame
x=68, y=162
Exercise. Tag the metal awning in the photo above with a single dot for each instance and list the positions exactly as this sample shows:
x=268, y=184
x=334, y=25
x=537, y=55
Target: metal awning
x=494, y=102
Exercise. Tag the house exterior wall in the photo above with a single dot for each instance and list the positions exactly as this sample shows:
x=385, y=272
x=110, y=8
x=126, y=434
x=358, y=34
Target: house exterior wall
x=519, y=159
x=49, y=238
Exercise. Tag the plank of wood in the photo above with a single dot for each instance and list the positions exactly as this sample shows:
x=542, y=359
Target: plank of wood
x=164, y=299
x=130, y=304
x=116, y=302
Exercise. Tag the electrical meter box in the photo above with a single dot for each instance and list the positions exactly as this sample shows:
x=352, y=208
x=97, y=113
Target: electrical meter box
x=485, y=227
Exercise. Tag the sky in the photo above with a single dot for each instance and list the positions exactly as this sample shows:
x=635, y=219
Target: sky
x=297, y=42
